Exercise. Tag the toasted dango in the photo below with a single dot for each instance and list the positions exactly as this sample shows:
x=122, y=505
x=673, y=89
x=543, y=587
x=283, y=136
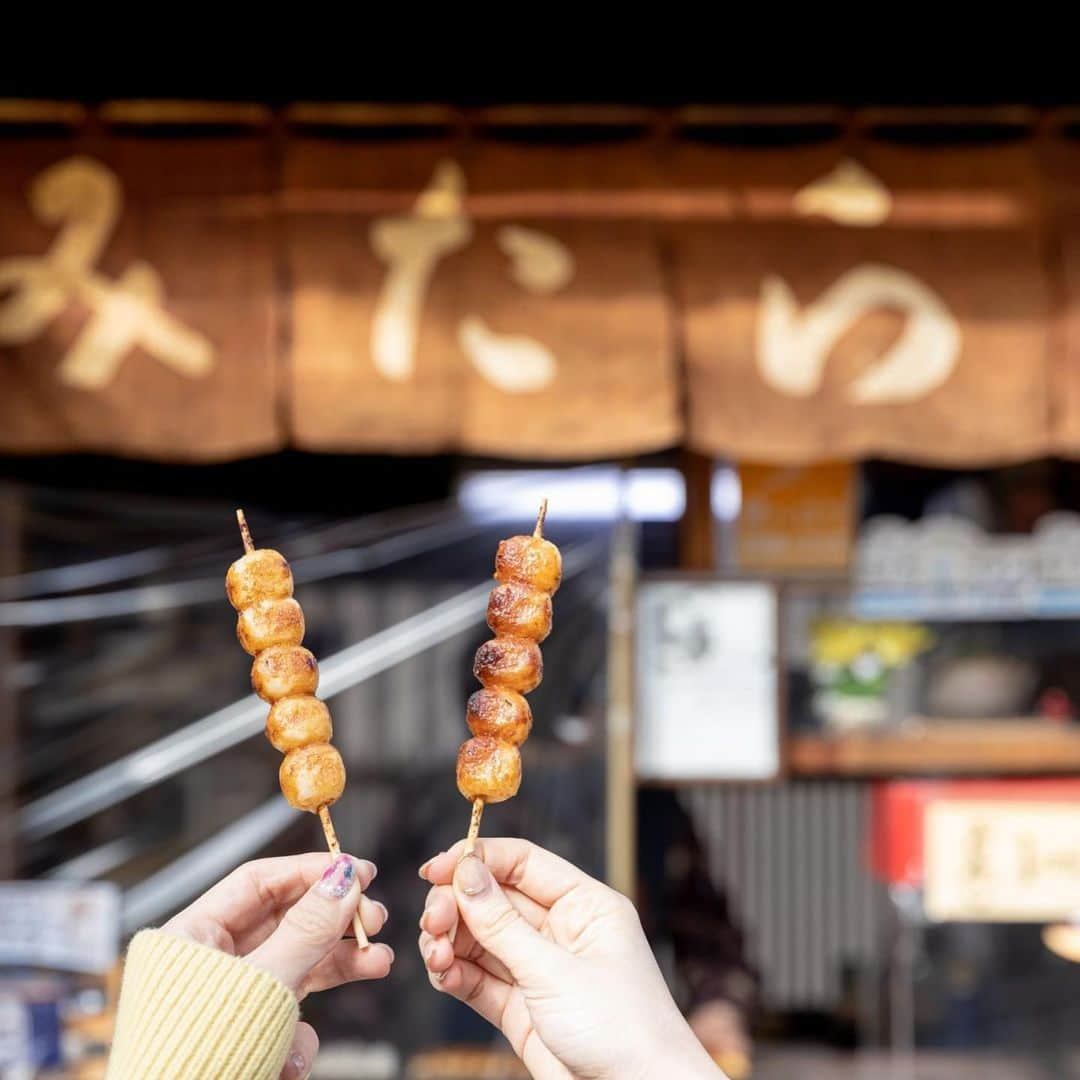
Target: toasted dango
x=518, y=611
x=500, y=714
x=312, y=776
x=298, y=721
x=261, y=575
x=284, y=671
x=270, y=622
x=529, y=560
x=488, y=769
x=512, y=663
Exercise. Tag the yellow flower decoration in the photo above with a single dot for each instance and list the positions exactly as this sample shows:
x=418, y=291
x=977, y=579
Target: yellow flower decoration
x=840, y=641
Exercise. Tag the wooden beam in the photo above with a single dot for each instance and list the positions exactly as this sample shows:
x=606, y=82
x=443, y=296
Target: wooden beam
x=697, y=549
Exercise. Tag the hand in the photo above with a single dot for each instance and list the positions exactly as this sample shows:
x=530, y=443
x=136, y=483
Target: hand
x=555, y=960
x=287, y=916
x=719, y=1026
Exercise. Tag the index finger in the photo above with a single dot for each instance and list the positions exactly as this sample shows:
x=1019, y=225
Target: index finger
x=261, y=888
x=532, y=870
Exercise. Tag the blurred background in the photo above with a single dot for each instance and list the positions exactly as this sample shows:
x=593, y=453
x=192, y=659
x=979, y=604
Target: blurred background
x=801, y=381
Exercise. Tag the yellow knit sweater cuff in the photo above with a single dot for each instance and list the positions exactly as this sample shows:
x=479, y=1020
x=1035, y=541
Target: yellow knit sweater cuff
x=189, y=1012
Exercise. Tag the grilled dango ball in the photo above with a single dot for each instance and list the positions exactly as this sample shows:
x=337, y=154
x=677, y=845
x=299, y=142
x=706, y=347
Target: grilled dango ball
x=270, y=622
x=263, y=574
x=312, y=777
x=500, y=714
x=529, y=560
x=284, y=671
x=488, y=769
x=298, y=721
x=515, y=610
x=509, y=662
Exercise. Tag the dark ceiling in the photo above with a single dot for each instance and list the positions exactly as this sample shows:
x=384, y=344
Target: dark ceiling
x=700, y=66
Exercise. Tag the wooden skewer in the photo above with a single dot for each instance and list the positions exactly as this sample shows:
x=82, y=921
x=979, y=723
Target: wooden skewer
x=245, y=532
x=474, y=826
x=324, y=811
x=478, y=804
x=335, y=850
x=538, y=532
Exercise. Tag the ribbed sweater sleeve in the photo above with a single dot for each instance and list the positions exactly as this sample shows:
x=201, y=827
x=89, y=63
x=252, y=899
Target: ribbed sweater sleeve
x=189, y=1012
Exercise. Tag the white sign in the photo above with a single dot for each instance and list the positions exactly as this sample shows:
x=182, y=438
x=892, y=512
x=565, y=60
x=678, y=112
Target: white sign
x=708, y=691
x=59, y=925
x=1002, y=861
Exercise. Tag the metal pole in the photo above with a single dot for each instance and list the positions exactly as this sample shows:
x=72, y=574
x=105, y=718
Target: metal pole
x=902, y=985
x=204, y=864
x=621, y=788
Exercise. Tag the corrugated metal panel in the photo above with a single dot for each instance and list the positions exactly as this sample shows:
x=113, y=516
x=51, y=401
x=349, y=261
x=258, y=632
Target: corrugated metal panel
x=793, y=859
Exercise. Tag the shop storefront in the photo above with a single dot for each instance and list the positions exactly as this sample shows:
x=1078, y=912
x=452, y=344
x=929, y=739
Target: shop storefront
x=853, y=680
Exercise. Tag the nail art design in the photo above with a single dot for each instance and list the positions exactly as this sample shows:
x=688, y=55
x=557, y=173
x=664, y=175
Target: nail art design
x=338, y=878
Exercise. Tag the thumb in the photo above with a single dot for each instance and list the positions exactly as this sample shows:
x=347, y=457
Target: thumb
x=495, y=923
x=315, y=923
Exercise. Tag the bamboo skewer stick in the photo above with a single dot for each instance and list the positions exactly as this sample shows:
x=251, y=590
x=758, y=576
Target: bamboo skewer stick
x=474, y=826
x=541, y=517
x=245, y=532
x=324, y=811
x=335, y=850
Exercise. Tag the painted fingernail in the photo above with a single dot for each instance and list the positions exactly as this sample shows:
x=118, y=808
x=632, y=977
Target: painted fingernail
x=338, y=878
x=472, y=877
x=297, y=1066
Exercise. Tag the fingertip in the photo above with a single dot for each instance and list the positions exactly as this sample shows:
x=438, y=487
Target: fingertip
x=374, y=962
x=425, y=869
x=440, y=913
x=302, y=1053
x=448, y=981
x=366, y=871
x=386, y=954
x=439, y=870
x=437, y=952
x=444, y=954
x=373, y=914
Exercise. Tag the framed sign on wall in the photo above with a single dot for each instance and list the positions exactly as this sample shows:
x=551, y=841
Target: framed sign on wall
x=708, y=690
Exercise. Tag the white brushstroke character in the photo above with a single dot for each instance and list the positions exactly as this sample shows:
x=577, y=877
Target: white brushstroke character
x=83, y=199
x=413, y=244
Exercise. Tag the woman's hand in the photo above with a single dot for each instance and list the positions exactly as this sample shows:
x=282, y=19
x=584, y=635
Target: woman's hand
x=288, y=917
x=555, y=960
